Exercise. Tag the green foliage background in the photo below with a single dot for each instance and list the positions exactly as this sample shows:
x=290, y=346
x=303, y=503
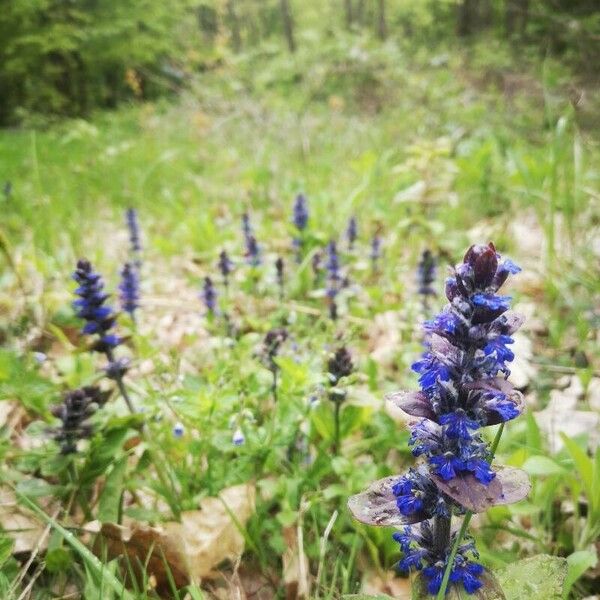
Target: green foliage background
x=68, y=57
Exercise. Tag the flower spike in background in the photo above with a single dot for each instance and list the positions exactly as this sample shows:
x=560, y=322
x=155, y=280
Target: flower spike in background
x=352, y=232
x=300, y=221
x=334, y=278
x=209, y=296
x=463, y=377
x=426, y=276
x=129, y=292
x=225, y=267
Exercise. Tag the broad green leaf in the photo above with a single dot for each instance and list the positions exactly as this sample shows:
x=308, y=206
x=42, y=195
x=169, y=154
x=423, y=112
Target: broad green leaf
x=543, y=466
x=578, y=563
x=584, y=464
x=110, y=500
x=541, y=577
x=323, y=420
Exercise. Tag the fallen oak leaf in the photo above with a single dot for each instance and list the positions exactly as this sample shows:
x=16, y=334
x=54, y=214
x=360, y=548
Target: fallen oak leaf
x=187, y=551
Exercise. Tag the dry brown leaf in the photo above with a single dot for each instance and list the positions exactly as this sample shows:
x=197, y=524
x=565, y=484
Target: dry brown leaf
x=295, y=567
x=386, y=583
x=12, y=414
x=192, y=549
x=561, y=416
x=521, y=369
x=19, y=524
x=385, y=337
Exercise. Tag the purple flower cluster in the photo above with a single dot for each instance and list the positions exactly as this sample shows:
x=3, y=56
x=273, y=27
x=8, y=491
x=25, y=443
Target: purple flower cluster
x=421, y=553
x=77, y=407
x=91, y=307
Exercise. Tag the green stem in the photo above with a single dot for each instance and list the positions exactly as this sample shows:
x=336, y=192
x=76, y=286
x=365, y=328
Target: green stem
x=165, y=480
x=463, y=529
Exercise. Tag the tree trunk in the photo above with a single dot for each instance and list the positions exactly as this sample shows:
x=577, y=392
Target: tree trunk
x=467, y=16
x=288, y=24
x=360, y=12
x=348, y=11
x=381, y=23
x=234, y=24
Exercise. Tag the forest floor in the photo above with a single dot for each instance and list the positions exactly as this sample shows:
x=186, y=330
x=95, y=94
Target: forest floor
x=426, y=152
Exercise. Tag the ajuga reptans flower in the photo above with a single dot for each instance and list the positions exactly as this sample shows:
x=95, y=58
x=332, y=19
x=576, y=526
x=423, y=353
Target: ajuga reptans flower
x=463, y=378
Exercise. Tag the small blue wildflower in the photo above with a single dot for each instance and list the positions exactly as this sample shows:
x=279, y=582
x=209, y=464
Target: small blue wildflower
x=501, y=405
x=458, y=424
x=238, y=438
x=432, y=371
x=445, y=322
x=498, y=347
x=481, y=470
x=40, y=357
x=491, y=301
x=209, y=295
x=129, y=292
x=352, y=232
x=447, y=465
x=178, y=430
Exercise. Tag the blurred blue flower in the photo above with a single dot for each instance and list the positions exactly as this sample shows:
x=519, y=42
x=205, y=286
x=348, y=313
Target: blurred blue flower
x=209, y=295
x=178, y=430
x=129, y=292
x=352, y=232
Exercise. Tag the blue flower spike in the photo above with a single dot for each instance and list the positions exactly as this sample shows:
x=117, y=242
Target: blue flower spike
x=463, y=376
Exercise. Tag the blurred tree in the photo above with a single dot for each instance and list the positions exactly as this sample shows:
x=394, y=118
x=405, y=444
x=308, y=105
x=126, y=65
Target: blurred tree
x=288, y=25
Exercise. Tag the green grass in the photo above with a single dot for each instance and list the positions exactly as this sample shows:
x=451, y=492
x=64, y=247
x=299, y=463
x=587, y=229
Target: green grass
x=428, y=153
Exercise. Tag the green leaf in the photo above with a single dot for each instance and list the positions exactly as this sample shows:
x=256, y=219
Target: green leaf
x=322, y=419
x=543, y=466
x=541, y=577
x=58, y=560
x=110, y=501
x=578, y=563
x=583, y=463
x=6, y=548
x=352, y=418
